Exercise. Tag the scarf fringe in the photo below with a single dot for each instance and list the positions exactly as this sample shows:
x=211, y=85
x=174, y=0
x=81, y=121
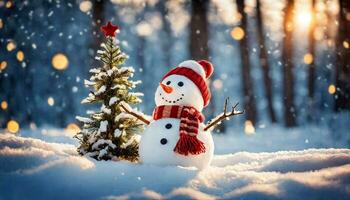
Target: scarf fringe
x=189, y=145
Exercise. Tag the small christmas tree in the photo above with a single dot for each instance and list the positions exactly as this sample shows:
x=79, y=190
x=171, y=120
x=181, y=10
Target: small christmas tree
x=110, y=133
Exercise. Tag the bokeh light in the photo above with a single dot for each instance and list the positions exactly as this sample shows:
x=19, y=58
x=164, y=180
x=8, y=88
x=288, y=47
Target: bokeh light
x=249, y=128
x=60, y=61
x=11, y=46
x=237, y=33
x=4, y=105
x=20, y=56
x=72, y=129
x=51, y=101
x=217, y=84
x=331, y=89
x=8, y=4
x=303, y=18
x=3, y=65
x=12, y=126
x=308, y=58
x=1, y=24
x=85, y=6
x=346, y=44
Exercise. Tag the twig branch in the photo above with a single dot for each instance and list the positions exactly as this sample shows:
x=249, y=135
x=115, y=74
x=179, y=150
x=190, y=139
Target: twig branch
x=138, y=116
x=224, y=115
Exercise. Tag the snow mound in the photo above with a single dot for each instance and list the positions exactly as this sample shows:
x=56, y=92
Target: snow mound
x=36, y=169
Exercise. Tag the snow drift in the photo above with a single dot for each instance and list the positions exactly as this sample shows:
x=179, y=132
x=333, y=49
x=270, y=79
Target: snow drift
x=35, y=169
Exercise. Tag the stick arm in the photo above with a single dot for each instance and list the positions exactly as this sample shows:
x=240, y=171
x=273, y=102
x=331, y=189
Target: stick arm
x=217, y=120
x=137, y=115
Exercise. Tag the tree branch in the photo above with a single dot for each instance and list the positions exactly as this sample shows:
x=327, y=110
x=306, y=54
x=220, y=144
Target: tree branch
x=217, y=120
x=138, y=116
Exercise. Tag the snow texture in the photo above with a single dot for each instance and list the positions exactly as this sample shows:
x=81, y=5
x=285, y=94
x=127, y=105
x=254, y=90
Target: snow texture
x=36, y=169
x=101, y=90
x=112, y=100
x=103, y=126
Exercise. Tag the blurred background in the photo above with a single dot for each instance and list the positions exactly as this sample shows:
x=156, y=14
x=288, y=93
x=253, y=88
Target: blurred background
x=286, y=62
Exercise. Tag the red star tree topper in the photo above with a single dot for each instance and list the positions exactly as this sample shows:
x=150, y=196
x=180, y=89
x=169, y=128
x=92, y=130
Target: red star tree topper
x=109, y=29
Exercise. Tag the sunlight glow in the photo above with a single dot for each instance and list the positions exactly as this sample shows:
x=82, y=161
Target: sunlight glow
x=303, y=18
x=12, y=126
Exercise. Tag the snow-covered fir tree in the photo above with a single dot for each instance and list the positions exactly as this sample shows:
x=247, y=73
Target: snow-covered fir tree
x=110, y=133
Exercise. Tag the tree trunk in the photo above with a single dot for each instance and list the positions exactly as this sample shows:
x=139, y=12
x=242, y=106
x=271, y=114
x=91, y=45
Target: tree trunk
x=342, y=95
x=288, y=77
x=167, y=42
x=249, y=100
x=98, y=20
x=199, y=30
x=264, y=62
x=312, y=66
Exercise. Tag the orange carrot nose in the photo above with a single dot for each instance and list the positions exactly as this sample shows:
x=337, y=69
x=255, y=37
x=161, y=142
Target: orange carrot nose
x=167, y=89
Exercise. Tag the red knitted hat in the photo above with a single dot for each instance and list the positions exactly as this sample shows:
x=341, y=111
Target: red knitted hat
x=198, y=72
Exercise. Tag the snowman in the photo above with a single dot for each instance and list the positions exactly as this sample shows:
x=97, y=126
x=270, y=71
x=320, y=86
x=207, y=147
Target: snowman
x=177, y=134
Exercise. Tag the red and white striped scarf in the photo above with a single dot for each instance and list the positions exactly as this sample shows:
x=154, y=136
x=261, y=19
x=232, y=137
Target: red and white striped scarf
x=190, y=118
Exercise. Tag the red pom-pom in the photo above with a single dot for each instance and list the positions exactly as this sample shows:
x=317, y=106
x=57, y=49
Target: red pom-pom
x=208, y=67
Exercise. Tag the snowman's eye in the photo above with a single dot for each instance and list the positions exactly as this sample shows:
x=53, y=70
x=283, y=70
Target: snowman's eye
x=168, y=82
x=180, y=84
x=168, y=126
x=163, y=141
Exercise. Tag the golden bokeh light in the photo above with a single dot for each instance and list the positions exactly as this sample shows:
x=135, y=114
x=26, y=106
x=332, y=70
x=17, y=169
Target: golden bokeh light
x=237, y=33
x=20, y=56
x=289, y=26
x=4, y=105
x=303, y=18
x=1, y=24
x=3, y=65
x=8, y=4
x=12, y=126
x=308, y=58
x=51, y=101
x=60, y=61
x=72, y=129
x=249, y=128
x=85, y=6
x=318, y=34
x=331, y=89
x=346, y=44
x=10, y=46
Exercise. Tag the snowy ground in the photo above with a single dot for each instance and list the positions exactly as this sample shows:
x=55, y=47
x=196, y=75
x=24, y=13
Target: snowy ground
x=49, y=168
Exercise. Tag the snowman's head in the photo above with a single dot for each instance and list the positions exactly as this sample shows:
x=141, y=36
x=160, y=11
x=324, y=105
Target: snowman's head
x=178, y=90
x=185, y=85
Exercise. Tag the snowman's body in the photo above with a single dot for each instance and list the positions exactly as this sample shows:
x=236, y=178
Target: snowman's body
x=152, y=151
x=161, y=136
